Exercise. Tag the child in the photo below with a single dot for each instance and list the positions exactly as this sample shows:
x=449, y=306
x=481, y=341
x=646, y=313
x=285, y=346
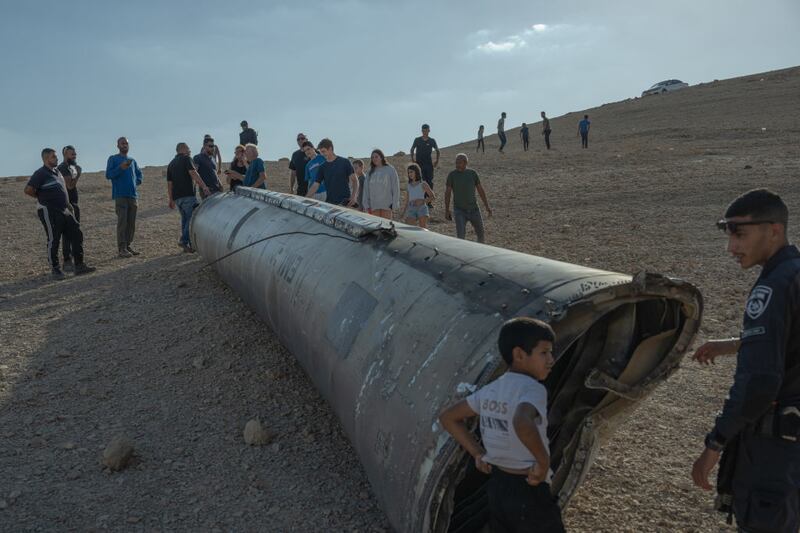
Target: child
x=358, y=166
x=416, y=210
x=513, y=425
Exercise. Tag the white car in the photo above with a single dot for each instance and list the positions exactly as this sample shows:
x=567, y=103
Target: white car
x=665, y=87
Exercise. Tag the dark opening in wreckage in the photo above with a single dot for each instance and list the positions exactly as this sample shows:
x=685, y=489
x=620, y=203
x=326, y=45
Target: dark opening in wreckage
x=393, y=322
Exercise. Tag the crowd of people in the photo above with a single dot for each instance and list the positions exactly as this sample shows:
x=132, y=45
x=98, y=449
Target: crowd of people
x=759, y=422
x=318, y=172
x=524, y=133
x=314, y=171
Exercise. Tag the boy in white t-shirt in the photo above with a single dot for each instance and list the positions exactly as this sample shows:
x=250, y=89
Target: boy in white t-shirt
x=513, y=425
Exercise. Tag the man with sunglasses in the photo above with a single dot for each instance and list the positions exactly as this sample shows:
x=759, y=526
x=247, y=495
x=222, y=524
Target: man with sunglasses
x=217, y=153
x=207, y=168
x=759, y=426
x=297, y=167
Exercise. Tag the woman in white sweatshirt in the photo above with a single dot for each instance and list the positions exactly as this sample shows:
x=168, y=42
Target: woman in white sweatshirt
x=381, y=186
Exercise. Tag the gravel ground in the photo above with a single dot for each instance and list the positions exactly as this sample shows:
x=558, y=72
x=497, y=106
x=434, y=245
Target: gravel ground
x=162, y=351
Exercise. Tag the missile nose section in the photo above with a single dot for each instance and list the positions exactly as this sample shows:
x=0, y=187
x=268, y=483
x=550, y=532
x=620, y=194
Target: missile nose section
x=393, y=323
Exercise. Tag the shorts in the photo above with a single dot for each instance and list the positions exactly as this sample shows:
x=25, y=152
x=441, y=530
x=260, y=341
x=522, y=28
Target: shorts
x=417, y=211
x=321, y=196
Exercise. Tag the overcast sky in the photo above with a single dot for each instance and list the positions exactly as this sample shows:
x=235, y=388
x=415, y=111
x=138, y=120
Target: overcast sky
x=364, y=73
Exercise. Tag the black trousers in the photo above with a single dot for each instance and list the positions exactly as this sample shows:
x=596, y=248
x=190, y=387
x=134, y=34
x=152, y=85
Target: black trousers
x=585, y=139
x=427, y=174
x=480, y=146
x=766, y=485
x=547, y=138
x=302, y=187
x=67, y=244
x=57, y=225
x=516, y=507
x=525, y=142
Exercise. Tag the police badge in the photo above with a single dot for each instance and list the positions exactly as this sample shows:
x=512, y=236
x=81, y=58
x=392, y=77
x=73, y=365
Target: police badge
x=758, y=301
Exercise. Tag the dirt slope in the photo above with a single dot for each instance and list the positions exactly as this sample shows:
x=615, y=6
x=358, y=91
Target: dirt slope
x=162, y=350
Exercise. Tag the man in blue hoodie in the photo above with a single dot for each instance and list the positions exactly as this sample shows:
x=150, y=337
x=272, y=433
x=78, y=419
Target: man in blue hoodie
x=125, y=176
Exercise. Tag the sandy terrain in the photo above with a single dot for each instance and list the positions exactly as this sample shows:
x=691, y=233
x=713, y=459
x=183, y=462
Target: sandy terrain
x=163, y=351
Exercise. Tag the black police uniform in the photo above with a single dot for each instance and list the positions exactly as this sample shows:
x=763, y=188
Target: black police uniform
x=763, y=407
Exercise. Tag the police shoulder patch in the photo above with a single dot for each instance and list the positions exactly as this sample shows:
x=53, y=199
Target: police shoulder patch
x=758, y=301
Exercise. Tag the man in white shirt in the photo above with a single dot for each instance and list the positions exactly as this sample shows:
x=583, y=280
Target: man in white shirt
x=513, y=425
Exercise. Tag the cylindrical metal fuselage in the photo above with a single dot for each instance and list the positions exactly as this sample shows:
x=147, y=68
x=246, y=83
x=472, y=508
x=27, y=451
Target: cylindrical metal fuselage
x=393, y=322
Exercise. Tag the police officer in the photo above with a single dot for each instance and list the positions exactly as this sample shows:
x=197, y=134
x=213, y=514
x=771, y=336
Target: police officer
x=761, y=417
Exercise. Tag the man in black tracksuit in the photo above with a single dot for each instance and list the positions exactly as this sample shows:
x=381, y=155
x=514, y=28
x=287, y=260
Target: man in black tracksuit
x=71, y=172
x=760, y=419
x=47, y=186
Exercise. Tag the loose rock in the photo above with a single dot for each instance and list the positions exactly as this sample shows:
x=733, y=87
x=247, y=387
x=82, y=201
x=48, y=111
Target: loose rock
x=255, y=434
x=118, y=453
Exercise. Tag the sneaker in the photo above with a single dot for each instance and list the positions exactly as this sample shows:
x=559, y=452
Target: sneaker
x=187, y=248
x=69, y=266
x=125, y=253
x=83, y=268
x=132, y=251
x=57, y=274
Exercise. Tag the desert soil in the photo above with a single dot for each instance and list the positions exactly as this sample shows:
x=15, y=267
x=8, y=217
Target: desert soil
x=161, y=350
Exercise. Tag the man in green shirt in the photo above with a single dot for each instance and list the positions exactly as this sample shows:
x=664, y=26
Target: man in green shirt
x=461, y=185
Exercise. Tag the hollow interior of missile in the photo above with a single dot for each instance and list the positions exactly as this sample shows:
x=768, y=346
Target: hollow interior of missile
x=626, y=343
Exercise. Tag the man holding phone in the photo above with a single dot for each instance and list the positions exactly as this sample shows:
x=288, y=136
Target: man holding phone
x=125, y=176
